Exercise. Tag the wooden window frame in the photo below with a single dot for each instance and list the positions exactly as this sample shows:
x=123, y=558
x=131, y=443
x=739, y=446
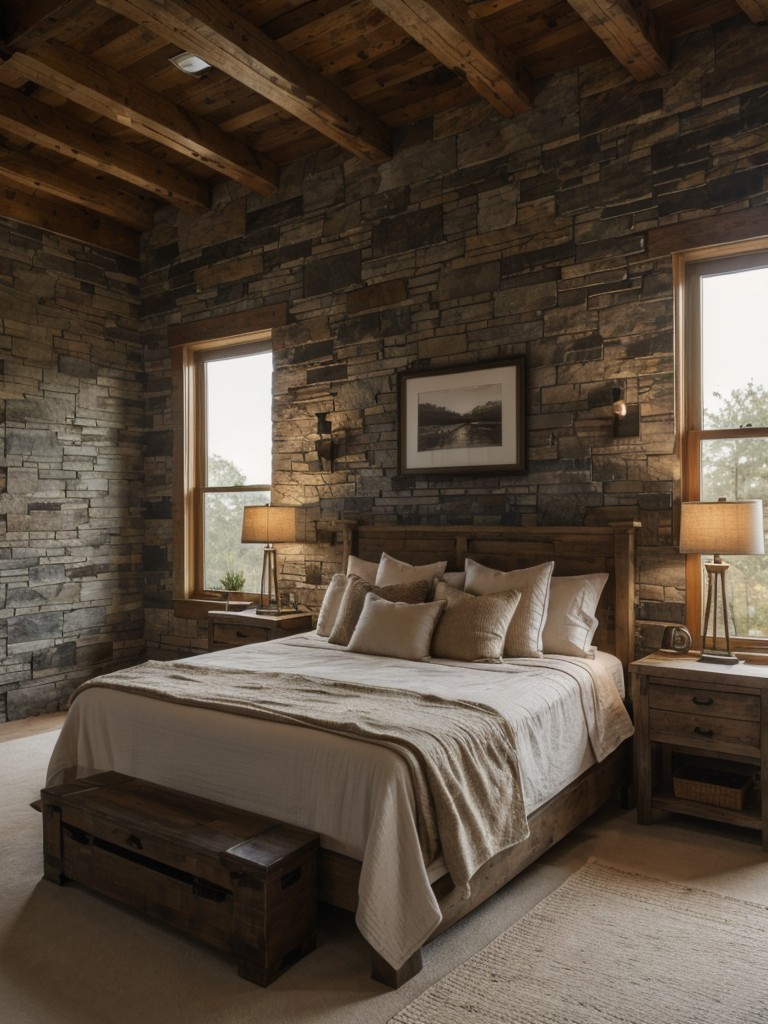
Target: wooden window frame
x=689, y=268
x=242, y=331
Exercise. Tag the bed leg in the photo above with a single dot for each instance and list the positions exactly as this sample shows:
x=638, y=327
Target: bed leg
x=391, y=976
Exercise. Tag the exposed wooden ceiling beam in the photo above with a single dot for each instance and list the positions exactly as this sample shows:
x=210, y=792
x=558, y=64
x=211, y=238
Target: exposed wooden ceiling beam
x=445, y=29
x=213, y=31
x=33, y=174
x=631, y=33
x=116, y=96
x=70, y=221
x=35, y=122
x=39, y=20
x=755, y=10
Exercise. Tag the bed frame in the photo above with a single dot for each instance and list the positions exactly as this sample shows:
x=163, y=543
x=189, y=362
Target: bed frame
x=574, y=550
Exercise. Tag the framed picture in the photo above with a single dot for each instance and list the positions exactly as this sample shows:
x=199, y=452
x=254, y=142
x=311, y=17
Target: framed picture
x=468, y=419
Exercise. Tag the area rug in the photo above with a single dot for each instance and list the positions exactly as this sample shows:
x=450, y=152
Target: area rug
x=610, y=947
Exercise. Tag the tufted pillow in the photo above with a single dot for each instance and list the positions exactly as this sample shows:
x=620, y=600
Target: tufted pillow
x=354, y=596
x=359, y=567
x=472, y=628
x=393, y=629
x=570, y=623
x=392, y=570
x=329, y=609
x=524, y=636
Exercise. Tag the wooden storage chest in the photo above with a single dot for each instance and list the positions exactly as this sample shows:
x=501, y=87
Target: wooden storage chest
x=241, y=882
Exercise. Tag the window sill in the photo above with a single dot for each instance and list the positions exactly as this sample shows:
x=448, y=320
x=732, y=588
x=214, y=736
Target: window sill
x=198, y=607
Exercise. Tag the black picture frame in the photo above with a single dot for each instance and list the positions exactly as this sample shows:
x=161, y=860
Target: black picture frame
x=462, y=419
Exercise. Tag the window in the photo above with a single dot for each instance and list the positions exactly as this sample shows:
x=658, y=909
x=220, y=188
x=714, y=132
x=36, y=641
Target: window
x=725, y=387
x=227, y=402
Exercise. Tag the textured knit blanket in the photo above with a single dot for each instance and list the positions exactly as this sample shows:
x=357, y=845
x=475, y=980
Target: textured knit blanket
x=461, y=754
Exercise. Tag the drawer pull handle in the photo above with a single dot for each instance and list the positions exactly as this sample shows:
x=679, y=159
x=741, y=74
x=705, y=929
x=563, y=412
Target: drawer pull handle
x=704, y=702
x=134, y=842
x=240, y=633
x=708, y=733
x=208, y=891
x=290, y=878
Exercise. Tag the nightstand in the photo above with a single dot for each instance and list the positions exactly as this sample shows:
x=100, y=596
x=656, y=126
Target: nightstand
x=693, y=716
x=232, y=629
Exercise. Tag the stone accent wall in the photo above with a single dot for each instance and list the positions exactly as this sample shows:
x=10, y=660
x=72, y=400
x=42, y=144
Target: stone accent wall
x=483, y=238
x=72, y=407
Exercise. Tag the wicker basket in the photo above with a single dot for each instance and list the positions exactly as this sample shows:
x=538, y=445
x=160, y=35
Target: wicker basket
x=708, y=786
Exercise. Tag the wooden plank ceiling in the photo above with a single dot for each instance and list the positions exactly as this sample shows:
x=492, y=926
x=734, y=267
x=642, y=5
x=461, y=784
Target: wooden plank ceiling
x=98, y=128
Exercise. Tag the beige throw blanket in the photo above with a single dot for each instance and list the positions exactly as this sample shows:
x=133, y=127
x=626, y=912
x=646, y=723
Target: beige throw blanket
x=461, y=754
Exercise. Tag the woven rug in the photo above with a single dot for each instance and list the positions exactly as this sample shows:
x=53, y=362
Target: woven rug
x=609, y=947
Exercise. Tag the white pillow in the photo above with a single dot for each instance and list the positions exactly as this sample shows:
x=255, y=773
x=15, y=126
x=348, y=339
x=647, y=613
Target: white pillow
x=570, y=623
x=524, y=636
x=329, y=609
x=392, y=570
x=359, y=567
x=393, y=629
x=454, y=579
x=472, y=627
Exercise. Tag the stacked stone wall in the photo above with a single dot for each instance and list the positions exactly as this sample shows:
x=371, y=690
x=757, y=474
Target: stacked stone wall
x=72, y=408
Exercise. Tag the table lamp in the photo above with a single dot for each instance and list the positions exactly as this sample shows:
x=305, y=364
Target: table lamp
x=269, y=525
x=729, y=528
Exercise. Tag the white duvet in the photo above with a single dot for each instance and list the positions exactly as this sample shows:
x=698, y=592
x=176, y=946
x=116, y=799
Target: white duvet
x=566, y=713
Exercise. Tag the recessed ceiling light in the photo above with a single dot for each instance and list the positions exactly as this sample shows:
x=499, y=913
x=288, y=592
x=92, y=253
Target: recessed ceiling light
x=189, y=63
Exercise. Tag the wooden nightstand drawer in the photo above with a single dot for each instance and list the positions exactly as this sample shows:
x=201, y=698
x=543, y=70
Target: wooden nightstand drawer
x=707, y=731
x=233, y=635
x=233, y=629
x=722, y=704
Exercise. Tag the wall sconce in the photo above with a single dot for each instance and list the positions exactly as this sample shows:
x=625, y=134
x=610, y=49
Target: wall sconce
x=626, y=418
x=325, y=445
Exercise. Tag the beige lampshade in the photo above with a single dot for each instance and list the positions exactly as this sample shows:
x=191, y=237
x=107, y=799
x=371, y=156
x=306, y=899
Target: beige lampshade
x=268, y=524
x=722, y=528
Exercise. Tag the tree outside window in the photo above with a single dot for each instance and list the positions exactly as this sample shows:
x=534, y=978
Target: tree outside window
x=726, y=412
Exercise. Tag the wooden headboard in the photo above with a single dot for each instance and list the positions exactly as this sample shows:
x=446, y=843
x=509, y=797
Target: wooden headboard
x=574, y=550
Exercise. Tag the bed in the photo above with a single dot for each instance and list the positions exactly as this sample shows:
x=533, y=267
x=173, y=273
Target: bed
x=570, y=726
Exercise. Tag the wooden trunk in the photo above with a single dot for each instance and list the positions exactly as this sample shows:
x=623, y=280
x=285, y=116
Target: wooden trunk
x=238, y=881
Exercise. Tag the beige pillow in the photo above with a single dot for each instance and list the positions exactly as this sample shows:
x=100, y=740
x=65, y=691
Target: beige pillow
x=392, y=570
x=570, y=623
x=472, y=628
x=524, y=636
x=329, y=609
x=354, y=596
x=393, y=629
x=359, y=567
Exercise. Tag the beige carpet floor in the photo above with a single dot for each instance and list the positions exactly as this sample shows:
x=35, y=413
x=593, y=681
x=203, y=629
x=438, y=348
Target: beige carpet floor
x=70, y=957
x=646, y=952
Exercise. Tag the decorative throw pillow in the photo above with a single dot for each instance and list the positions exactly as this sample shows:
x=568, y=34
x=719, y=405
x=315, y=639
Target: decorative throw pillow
x=395, y=629
x=359, y=567
x=472, y=628
x=570, y=623
x=354, y=596
x=329, y=609
x=392, y=570
x=524, y=636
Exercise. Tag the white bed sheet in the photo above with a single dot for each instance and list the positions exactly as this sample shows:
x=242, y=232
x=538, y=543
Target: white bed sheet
x=566, y=712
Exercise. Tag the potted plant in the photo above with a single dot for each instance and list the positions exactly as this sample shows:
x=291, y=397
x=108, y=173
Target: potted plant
x=232, y=582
